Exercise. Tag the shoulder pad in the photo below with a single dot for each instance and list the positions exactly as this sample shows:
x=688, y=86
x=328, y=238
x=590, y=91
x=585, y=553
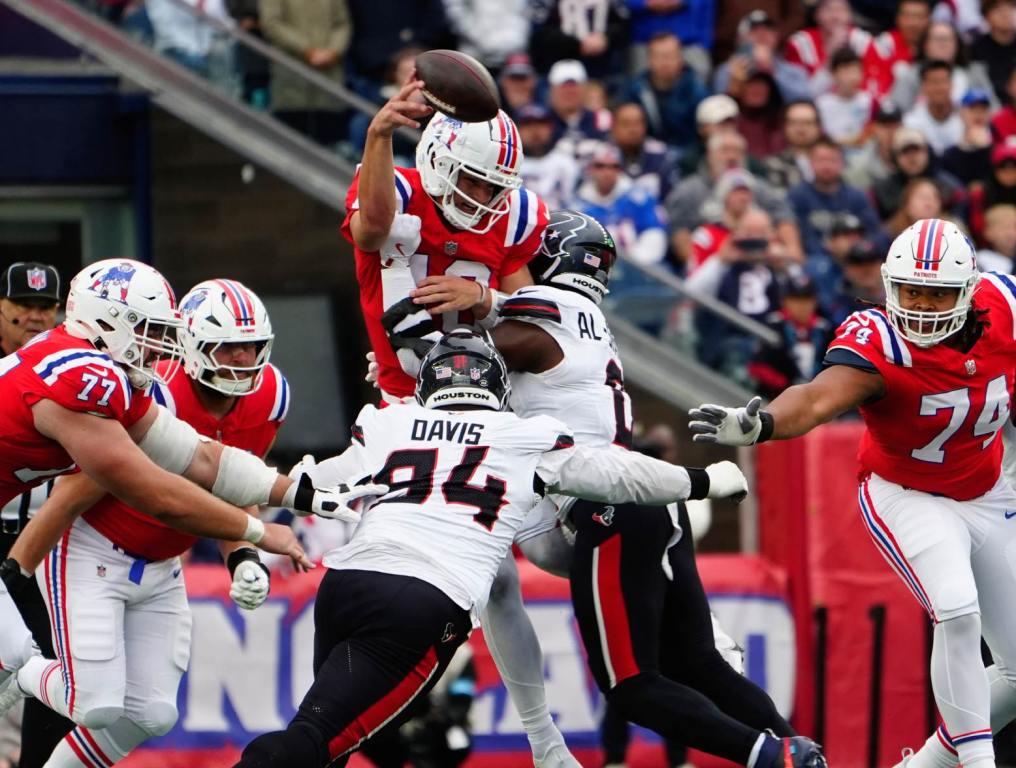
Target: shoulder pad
x=523, y=216
x=870, y=334
x=280, y=405
x=1004, y=290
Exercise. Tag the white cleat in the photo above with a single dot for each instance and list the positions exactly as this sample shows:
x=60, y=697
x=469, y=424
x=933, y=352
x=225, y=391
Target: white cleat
x=906, y=755
x=557, y=756
x=10, y=693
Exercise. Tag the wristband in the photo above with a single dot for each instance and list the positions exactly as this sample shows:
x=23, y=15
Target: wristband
x=768, y=425
x=255, y=530
x=497, y=300
x=483, y=294
x=699, y=483
x=243, y=555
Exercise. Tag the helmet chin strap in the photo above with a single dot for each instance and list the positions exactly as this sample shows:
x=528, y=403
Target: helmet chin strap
x=230, y=387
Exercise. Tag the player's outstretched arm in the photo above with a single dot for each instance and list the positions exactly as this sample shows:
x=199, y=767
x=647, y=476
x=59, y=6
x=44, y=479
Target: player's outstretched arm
x=618, y=476
x=797, y=410
x=103, y=449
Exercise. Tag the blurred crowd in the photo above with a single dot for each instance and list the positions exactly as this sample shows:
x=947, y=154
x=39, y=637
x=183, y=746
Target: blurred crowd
x=765, y=151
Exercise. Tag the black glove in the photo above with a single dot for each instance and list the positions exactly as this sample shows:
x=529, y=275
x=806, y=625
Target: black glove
x=12, y=577
x=406, y=331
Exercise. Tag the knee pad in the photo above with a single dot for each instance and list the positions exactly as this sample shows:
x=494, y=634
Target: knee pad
x=506, y=581
x=954, y=600
x=156, y=718
x=294, y=746
x=97, y=718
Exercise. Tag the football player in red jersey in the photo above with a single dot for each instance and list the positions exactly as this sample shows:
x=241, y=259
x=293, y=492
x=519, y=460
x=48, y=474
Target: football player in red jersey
x=932, y=374
x=472, y=219
x=68, y=400
x=136, y=601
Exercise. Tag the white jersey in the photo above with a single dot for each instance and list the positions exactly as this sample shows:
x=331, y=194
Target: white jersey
x=462, y=483
x=586, y=389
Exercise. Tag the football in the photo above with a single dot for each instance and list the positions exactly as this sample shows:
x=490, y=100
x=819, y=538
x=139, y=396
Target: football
x=458, y=85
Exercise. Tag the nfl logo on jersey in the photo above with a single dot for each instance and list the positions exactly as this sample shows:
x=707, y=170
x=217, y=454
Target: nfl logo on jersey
x=100, y=571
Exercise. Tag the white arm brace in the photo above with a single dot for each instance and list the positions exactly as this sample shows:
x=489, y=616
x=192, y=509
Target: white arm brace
x=243, y=479
x=613, y=475
x=170, y=442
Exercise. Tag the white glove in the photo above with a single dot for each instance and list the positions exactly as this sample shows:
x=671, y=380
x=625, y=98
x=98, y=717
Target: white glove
x=727, y=426
x=373, y=371
x=250, y=585
x=402, y=242
x=334, y=502
x=726, y=481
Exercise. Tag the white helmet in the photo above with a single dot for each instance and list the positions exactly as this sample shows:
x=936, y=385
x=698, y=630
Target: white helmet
x=930, y=252
x=489, y=151
x=217, y=312
x=128, y=310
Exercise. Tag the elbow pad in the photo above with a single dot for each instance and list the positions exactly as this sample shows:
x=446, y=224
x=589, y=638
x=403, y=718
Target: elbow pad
x=243, y=479
x=170, y=442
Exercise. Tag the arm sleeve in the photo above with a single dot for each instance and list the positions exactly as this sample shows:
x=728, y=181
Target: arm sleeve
x=613, y=475
x=348, y=467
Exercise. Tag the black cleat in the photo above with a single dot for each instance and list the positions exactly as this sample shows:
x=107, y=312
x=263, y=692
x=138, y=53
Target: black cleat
x=802, y=752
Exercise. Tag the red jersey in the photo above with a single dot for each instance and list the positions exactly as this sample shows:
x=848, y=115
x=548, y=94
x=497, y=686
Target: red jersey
x=886, y=52
x=806, y=48
x=251, y=425
x=706, y=241
x=936, y=427
x=505, y=249
x=72, y=373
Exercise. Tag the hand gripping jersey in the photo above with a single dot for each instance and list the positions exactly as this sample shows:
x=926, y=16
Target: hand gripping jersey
x=443, y=250
x=251, y=425
x=936, y=428
x=72, y=373
x=461, y=484
x=586, y=389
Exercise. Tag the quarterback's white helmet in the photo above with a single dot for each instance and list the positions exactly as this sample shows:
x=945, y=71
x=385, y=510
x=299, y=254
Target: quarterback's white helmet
x=489, y=151
x=128, y=310
x=217, y=312
x=930, y=252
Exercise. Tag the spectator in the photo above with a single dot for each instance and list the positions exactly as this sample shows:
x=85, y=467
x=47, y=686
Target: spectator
x=517, y=83
x=845, y=231
x=182, y=34
x=846, y=109
x=1000, y=234
x=669, y=92
x=940, y=43
x=935, y=115
x=735, y=195
x=761, y=115
x=724, y=151
x=647, y=161
x=894, y=49
x=788, y=14
x=816, y=202
x=1003, y=124
x=594, y=32
x=746, y=275
x=383, y=26
x=318, y=34
x=551, y=173
x=251, y=65
x=801, y=129
x=629, y=212
x=597, y=101
x=997, y=47
x=811, y=48
x=912, y=158
x=873, y=159
x=962, y=15
x=574, y=126
x=969, y=160
x=860, y=282
x=804, y=336
x=921, y=199
x=999, y=189
x=489, y=30
x=714, y=114
x=758, y=51
x=691, y=21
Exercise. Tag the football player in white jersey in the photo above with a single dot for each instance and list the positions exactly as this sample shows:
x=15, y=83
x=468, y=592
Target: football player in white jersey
x=462, y=475
x=640, y=604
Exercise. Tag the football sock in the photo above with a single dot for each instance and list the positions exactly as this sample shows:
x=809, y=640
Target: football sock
x=513, y=644
x=961, y=689
x=43, y=679
x=97, y=748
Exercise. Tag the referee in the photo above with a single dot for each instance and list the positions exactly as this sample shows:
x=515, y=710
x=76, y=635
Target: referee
x=29, y=299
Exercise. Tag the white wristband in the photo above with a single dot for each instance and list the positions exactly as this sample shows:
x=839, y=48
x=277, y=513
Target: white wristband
x=497, y=299
x=255, y=530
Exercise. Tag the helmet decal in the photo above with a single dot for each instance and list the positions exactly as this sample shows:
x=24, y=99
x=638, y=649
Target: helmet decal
x=114, y=282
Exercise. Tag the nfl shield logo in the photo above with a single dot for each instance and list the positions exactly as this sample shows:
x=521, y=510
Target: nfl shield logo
x=474, y=374
x=451, y=248
x=37, y=279
x=971, y=367
x=100, y=571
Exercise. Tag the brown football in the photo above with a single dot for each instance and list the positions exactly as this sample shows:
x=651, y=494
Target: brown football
x=458, y=85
